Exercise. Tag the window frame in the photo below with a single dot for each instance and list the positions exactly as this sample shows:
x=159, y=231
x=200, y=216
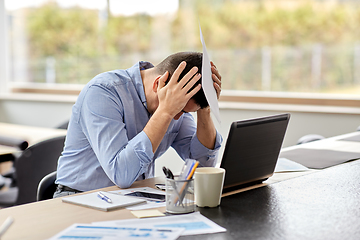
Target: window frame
x=3, y=49
x=256, y=99
x=227, y=96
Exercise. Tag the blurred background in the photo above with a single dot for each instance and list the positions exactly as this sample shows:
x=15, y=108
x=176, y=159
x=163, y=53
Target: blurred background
x=273, y=45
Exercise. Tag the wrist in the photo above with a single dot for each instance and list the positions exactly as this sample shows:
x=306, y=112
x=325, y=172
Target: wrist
x=203, y=112
x=165, y=115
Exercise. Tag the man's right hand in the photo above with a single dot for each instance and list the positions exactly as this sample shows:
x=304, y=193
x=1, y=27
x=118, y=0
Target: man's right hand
x=174, y=95
x=172, y=98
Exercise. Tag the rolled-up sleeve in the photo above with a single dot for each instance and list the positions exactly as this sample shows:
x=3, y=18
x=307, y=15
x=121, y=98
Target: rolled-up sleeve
x=188, y=145
x=207, y=157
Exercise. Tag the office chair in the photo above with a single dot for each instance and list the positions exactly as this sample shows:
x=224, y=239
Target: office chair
x=46, y=187
x=13, y=142
x=309, y=138
x=7, y=177
x=63, y=125
x=33, y=164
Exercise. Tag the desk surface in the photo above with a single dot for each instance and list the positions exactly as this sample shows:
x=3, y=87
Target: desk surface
x=42, y=220
x=31, y=134
x=321, y=205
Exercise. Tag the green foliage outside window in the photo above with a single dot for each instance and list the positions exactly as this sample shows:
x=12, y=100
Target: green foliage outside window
x=84, y=45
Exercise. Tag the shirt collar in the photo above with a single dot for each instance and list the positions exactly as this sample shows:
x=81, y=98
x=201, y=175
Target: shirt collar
x=135, y=75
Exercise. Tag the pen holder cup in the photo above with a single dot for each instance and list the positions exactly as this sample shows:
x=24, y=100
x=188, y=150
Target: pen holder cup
x=180, y=196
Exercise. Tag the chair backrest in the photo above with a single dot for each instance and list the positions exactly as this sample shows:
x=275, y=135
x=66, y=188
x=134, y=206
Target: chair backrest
x=46, y=187
x=63, y=125
x=14, y=142
x=309, y=138
x=33, y=164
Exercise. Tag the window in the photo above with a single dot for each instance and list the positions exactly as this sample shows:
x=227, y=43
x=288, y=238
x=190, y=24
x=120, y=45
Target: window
x=279, y=46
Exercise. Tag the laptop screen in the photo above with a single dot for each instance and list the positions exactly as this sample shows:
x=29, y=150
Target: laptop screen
x=252, y=150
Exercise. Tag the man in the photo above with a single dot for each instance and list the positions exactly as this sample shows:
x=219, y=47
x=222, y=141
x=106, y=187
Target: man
x=124, y=119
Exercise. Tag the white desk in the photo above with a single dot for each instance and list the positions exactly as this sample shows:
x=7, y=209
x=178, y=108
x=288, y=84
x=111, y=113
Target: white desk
x=28, y=133
x=331, y=144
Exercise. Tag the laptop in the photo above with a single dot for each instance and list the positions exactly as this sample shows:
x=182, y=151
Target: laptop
x=252, y=150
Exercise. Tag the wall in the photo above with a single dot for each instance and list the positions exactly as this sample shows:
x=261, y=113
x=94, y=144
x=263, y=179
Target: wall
x=36, y=111
x=324, y=122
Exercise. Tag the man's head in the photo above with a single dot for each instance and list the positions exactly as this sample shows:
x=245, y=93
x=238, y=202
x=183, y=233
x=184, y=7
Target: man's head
x=192, y=59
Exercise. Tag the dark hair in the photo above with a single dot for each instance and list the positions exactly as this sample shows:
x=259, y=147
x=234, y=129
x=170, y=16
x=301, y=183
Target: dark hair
x=192, y=59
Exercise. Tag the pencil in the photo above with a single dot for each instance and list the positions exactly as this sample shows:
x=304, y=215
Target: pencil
x=182, y=195
x=192, y=170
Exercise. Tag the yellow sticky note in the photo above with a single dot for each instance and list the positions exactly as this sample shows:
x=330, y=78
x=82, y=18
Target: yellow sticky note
x=147, y=213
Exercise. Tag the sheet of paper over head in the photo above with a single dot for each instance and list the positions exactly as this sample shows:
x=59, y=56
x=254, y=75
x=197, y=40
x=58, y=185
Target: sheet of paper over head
x=207, y=82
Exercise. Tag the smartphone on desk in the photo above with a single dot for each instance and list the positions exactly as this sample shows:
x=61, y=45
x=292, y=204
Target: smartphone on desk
x=160, y=186
x=147, y=196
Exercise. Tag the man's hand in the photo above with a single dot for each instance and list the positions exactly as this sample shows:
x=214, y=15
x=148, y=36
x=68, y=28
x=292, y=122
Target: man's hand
x=216, y=78
x=172, y=98
x=174, y=95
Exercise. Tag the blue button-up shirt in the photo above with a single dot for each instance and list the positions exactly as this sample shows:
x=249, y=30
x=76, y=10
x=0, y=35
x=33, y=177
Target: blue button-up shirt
x=106, y=144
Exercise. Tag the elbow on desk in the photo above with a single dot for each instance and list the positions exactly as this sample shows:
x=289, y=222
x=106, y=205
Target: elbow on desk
x=123, y=182
x=122, y=173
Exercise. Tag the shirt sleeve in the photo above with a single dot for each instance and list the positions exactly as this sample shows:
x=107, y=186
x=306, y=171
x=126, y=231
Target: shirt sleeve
x=101, y=120
x=188, y=145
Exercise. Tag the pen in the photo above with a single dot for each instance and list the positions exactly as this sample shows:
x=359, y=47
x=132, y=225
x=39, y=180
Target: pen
x=6, y=225
x=188, y=166
x=191, y=167
x=103, y=197
x=191, y=173
x=185, y=186
x=168, y=173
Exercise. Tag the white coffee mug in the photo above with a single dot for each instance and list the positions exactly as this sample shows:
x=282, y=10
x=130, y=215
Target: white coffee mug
x=208, y=186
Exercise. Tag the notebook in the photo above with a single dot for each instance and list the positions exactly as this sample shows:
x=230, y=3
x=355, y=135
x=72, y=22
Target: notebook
x=252, y=150
x=92, y=200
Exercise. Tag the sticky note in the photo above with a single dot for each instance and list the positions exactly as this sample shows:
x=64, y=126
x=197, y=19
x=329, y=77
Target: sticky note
x=147, y=213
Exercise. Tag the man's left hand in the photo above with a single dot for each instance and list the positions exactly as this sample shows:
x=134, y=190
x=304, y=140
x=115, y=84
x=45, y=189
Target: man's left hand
x=216, y=78
x=217, y=85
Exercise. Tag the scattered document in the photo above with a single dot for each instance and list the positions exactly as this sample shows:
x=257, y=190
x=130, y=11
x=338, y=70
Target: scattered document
x=194, y=223
x=207, y=81
x=286, y=165
x=88, y=231
x=149, y=205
